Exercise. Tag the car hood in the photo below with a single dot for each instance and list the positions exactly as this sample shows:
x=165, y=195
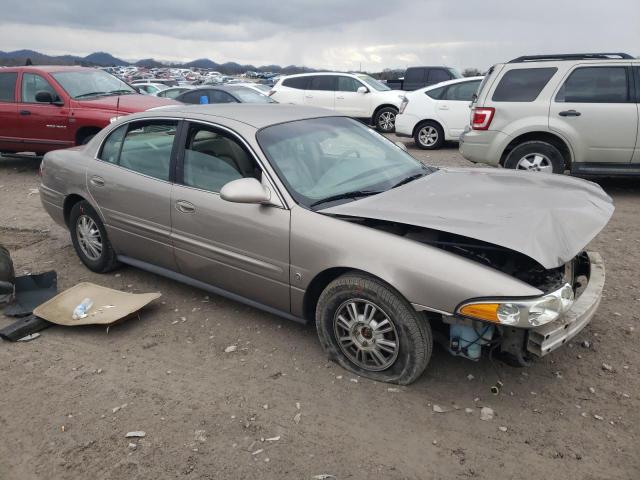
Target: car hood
x=548, y=217
x=127, y=103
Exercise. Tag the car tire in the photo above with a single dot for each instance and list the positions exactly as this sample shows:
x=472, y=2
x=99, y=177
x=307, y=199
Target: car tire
x=536, y=156
x=400, y=336
x=429, y=136
x=385, y=119
x=89, y=238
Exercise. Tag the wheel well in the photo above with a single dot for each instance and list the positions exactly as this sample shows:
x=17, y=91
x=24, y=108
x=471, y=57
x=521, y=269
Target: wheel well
x=69, y=202
x=84, y=132
x=542, y=136
x=422, y=122
x=380, y=107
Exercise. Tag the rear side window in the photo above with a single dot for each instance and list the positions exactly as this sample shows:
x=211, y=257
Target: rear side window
x=218, y=96
x=436, y=93
x=296, y=82
x=143, y=147
x=322, y=83
x=595, y=85
x=196, y=97
x=8, y=87
x=522, y=84
x=438, y=75
x=462, y=91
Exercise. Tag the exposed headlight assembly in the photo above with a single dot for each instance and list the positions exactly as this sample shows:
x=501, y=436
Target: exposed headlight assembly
x=527, y=313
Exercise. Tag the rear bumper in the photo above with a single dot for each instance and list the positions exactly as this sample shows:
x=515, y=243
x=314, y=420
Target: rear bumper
x=549, y=337
x=483, y=146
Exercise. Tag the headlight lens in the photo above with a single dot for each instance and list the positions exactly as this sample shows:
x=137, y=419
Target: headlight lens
x=522, y=313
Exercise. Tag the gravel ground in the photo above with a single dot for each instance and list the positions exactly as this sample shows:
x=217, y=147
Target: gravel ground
x=275, y=408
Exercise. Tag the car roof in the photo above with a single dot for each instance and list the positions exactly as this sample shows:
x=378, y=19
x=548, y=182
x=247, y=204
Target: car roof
x=257, y=115
x=450, y=82
x=321, y=73
x=51, y=68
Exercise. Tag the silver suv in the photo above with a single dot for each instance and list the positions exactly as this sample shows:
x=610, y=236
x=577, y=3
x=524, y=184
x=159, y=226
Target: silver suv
x=552, y=113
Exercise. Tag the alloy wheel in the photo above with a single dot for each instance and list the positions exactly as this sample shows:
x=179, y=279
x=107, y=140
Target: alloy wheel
x=89, y=237
x=535, y=162
x=387, y=121
x=366, y=335
x=428, y=136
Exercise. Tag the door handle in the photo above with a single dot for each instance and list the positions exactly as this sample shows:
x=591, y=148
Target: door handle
x=308, y=96
x=443, y=107
x=97, y=181
x=25, y=112
x=185, y=207
x=569, y=113
x=340, y=98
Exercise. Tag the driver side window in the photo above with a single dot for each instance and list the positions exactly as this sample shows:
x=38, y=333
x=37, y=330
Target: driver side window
x=32, y=84
x=213, y=158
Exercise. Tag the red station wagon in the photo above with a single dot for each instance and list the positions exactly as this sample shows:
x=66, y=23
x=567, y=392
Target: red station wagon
x=51, y=107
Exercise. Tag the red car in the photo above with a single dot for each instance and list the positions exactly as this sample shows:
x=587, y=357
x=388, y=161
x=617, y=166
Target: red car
x=53, y=107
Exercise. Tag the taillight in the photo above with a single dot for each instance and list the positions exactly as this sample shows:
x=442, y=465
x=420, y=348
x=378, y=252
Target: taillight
x=403, y=105
x=481, y=117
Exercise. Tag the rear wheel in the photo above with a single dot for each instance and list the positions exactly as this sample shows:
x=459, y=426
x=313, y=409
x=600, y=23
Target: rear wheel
x=536, y=156
x=429, y=136
x=369, y=329
x=385, y=119
x=89, y=238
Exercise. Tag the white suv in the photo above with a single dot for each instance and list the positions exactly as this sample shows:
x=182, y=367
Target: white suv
x=351, y=94
x=438, y=113
x=557, y=112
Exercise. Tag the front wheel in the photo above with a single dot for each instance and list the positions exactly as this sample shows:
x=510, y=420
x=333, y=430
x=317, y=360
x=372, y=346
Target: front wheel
x=369, y=329
x=536, y=156
x=385, y=119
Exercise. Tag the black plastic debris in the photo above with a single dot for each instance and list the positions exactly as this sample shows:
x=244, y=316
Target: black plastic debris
x=31, y=291
x=23, y=327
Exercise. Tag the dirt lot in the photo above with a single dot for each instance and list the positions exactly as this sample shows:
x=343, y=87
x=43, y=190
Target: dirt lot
x=565, y=417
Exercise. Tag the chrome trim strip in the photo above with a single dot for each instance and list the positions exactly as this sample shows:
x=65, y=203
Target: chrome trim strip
x=421, y=308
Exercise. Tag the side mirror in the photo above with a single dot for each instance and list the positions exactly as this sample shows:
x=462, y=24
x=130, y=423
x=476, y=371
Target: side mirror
x=401, y=146
x=44, y=97
x=363, y=90
x=245, y=190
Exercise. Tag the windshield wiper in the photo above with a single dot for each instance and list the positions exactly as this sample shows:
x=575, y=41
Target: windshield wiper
x=409, y=179
x=341, y=196
x=120, y=92
x=91, y=94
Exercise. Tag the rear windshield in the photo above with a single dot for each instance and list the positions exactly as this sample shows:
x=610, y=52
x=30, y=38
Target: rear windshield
x=522, y=84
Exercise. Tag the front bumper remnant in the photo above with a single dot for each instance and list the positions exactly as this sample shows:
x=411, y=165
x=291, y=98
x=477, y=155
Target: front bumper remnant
x=547, y=338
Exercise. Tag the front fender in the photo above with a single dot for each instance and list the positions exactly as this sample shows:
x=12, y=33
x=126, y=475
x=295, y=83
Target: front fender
x=423, y=274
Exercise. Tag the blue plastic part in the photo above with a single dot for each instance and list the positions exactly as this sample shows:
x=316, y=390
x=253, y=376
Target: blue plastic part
x=467, y=341
x=204, y=99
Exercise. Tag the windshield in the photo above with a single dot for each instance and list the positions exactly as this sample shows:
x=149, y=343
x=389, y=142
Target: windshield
x=91, y=83
x=321, y=158
x=373, y=83
x=247, y=95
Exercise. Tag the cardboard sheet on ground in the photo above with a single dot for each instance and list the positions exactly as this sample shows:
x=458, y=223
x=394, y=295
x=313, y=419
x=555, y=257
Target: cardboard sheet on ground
x=109, y=305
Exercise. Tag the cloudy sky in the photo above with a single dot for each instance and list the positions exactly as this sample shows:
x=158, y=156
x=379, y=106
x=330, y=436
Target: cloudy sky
x=332, y=34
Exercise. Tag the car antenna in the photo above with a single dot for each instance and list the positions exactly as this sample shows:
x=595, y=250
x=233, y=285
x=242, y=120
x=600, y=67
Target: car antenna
x=118, y=105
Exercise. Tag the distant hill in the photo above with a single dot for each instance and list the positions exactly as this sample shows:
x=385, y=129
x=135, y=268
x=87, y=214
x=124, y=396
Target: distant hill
x=104, y=59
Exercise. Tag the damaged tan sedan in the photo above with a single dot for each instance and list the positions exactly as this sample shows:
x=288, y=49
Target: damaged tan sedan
x=315, y=217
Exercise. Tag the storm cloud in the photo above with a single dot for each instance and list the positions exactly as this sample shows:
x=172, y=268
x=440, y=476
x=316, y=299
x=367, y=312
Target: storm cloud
x=334, y=34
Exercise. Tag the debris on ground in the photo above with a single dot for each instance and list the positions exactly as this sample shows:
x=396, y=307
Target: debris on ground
x=230, y=348
x=439, y=409
x=200, y=436
x=28, y=338
x=297, y=417
x=118, y=408
x=486, y=413
x=502, y=429
x=273, y=439
x=607, y=367
x=324, y=476
x=136, y=434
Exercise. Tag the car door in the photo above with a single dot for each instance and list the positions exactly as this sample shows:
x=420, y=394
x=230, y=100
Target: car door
x=240, y=248
x=130, y=182
x=453, y=107
x=9, y=131
x=636, y=154
x=44, y=125
x=348, y=100
x=593, y=108
x=320, y=91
